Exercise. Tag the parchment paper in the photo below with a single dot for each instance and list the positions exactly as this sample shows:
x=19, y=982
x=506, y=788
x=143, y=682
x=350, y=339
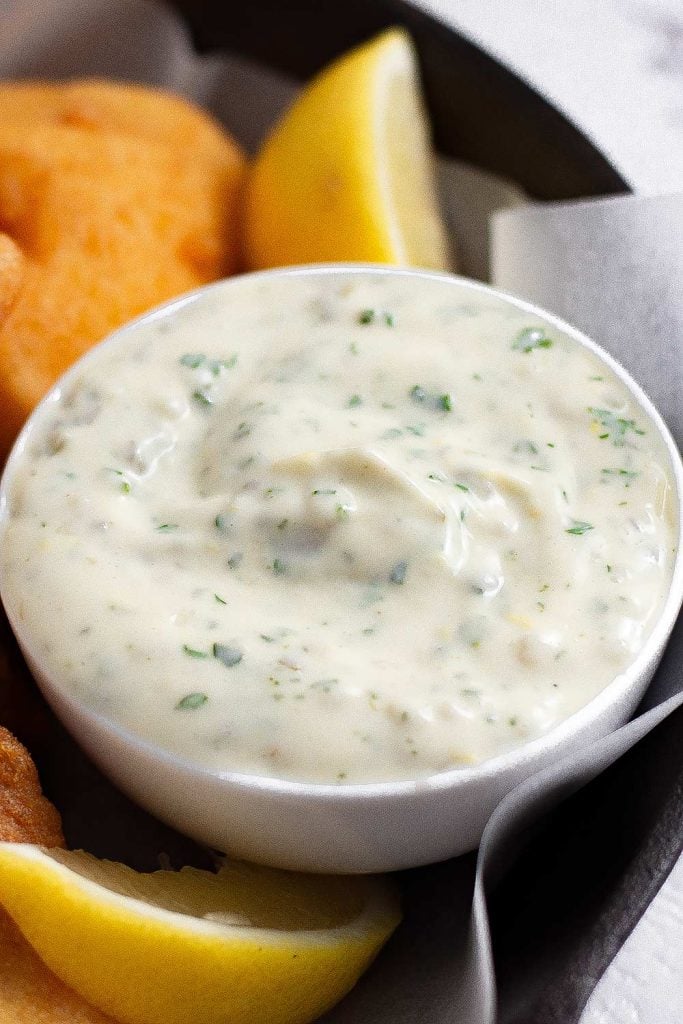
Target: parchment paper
x=611, y=267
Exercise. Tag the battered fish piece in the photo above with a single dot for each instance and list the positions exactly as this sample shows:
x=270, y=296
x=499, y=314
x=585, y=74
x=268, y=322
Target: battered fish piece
x=26, y=816
x=138, y=111
x=119, y=198
x=12, y=270
x=29, y=992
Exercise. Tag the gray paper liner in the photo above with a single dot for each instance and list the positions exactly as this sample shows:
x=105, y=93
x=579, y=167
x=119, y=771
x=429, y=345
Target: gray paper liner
x=613, y=268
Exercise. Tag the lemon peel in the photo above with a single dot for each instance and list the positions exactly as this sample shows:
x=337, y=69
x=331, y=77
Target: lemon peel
x=241, y=946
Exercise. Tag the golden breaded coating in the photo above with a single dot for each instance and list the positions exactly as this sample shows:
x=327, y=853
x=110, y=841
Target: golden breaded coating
x=122, y=108
x=26, y=816
x=12, y=270
x=29, y=992
x=116, y=208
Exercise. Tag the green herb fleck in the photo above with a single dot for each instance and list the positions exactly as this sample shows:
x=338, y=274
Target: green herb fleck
x=398, y=573
x=625, y=474
x=192, y=359
x=221, y=522
x=282, y=524
x=167, y=527
x=243, y=430
x=354, y=401
x=220, y=599
x=216, y=365
x=530, y=338
x=125, y=487
x=323, y=490
x=279, y=567
x=462, y=487
x=616, y=427
x=191, y=702
x=417, y=429
x=202, y=398
x=194, y=653
x=418, y=394
x=578, y=528
x=235, y=560
x=228, y=656
x=446, y=402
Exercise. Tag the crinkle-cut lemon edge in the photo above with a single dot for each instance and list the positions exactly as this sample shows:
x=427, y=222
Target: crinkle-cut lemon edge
x=380, y=913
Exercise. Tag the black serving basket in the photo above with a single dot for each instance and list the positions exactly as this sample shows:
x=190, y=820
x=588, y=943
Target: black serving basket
x=484, y=114
x=481, y=112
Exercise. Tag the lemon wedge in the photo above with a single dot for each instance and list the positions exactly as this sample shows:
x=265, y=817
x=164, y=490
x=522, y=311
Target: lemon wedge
x=348, y=173
x=243, y=946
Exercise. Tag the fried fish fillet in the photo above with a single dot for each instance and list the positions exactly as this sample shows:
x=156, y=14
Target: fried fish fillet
x=119, y=198
x=26, y=816
x=29, y=992
x=12, y=270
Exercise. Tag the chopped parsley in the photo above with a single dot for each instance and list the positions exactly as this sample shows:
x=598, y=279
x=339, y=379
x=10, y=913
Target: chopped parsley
x=398, y=573
x=578, y=528
x=228, y=656
x=625, y=474
x=439, y=402
x=530, y=338
x=191, y=702
x=202, y=398
x=371, y=316
x=616, y=427
x=243, y=430
x=192, y=359
x=279, y=567
x=192, y=652
x=354, y=401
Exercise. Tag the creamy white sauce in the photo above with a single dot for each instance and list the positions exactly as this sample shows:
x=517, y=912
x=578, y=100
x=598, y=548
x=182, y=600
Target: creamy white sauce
x=340, y=528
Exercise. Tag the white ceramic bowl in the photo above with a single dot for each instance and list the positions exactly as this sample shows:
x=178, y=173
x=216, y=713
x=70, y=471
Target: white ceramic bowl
x=351, y=828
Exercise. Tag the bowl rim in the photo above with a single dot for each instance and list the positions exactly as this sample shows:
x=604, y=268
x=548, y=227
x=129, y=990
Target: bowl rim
x=453, y=778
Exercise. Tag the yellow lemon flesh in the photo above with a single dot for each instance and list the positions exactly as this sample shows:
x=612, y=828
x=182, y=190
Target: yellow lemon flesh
x=243, y=946
x=347, y=174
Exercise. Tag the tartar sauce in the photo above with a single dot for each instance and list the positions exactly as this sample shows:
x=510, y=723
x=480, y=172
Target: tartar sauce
x=343, y=527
